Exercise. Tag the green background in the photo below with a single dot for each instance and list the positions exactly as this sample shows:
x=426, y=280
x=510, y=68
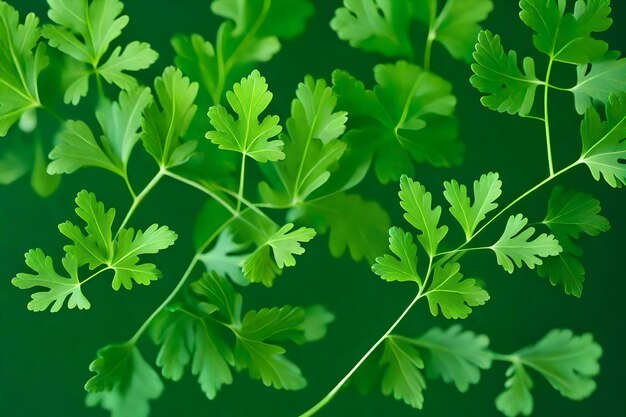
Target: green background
x=44, y=357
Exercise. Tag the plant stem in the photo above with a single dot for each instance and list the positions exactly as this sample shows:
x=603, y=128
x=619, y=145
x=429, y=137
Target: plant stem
x=194, y=261
x=546, y=117
x=129, y=185
x=242, y=180
x=139, y=198
x=204, y=189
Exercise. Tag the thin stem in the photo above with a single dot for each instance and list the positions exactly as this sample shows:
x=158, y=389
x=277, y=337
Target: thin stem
x=546, y=117
x=242, y=180
x=324, y=401
x=202, y=188
x=252, y=206
x=428, y=50
x=140, y=197
x=455, y=251
x=129, y=186
x=194, y=261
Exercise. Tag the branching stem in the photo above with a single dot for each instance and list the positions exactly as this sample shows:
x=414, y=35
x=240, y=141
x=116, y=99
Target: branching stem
x=546, y=116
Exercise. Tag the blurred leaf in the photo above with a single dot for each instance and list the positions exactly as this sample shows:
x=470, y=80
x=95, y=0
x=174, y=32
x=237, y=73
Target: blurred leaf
x=597, y=81
x=226, y=259
x=403, y=377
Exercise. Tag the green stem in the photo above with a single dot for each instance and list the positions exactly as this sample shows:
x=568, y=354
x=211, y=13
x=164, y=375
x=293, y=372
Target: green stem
x=546, y=117
x=204, y=189
x=252, y=206
x=428, y=50
x=242, y=180
x=194, y=261
x=140, y=197
x=129, y=185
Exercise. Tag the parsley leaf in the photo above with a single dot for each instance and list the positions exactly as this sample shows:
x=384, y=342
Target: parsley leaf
x=225, y=258
x=163, y=129
x=567, y=361
x=403, y=377
x=375, y=26
x=596, y=82
x=497, y=75
x=124, y=382
x=408, y=115
x=455, y=355
x=487, y=189
x=565, y=36
x=120, y=122
x=19, y=66
x=456, y=25
x=604, y=147
x=402, y=268
x=249, y=98
x=85, y=31
x=514, y=246
x=417, y=204
x=311, y=145
x=60, y=288
x=452, y=294
x=353, y=224
x=570, y=213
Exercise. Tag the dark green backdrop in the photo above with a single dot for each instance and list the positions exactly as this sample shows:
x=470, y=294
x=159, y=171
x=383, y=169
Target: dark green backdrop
x=44, y=357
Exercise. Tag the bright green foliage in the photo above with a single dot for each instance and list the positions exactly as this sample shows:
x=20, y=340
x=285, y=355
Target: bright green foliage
x=284, y=243
x=20, y=66
x=455, y=25
x=60, y=287
x=252, y=34
x=417, y=204
x=455, y=355
x=403, y=377
x=567, y=361
x=164, y=127
x=604, y=147
x=566, y=36
x=197, y=331
x=124, y=382
x=487, y=189
x=375, y=26
x=598, y=80
x=95, y=246
x=402, y=268
x=246, y=135
x=407, y=116
x=452, y=294
x=84, y=30
x=514, y=246
x=353, y=224
x=517, y=398
x=497, y=75
x=312, y=148
x=225, y=258
x=120, y=121
x=570, y=213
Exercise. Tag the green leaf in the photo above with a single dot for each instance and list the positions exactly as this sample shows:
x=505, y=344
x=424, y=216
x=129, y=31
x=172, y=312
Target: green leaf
x=375, y=26
x=225, y=258
x=20, y=66
x=514, y=246
x=402, y=268
x=84, y=30
x=124, y=382
x=604, y=147
x=517, y=398
x=407, y=116
x=163, y=129
x=567, y=361
x=60, y=288
x=275, y=324
x=356, y=225
x=452, y=294
x=42, y=183
x=596, y=82
x=249, y=98
x=311, y=146
x=456, y=356
x=315, y=324
x=570, y=213
x=456, y=25
x=260, y=267
x=127, y=250
x=403, y=377
x=78, y=148
x=487, y=189
x=417, y=204
x=496, y=74
x=218, y=292
x=566, y=36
